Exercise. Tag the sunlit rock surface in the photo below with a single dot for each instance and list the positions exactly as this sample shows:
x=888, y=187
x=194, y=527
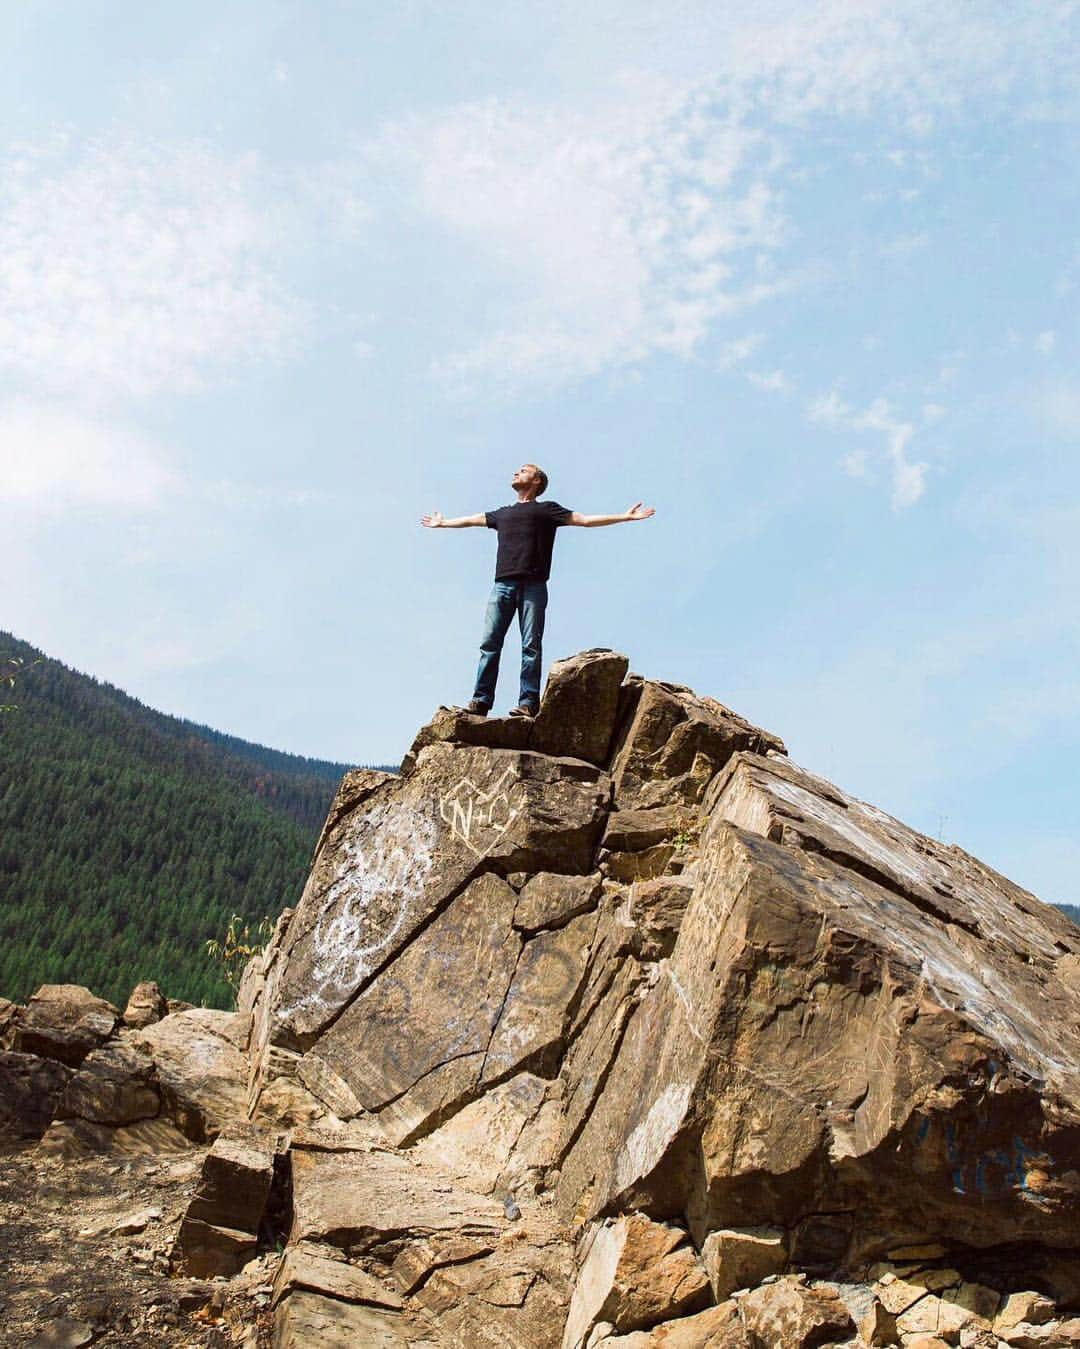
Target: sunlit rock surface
x=582, y=1025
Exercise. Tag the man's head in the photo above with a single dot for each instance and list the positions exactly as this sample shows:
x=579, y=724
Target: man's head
x=529, y=481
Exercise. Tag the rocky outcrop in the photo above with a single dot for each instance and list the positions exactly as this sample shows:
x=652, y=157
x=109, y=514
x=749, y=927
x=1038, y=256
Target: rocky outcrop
x=618, y=1028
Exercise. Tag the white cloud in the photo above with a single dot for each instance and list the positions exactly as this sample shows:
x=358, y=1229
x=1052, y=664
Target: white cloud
x=773, y=381
x=737, y=350
x=52, y=459
x=932, y=413
x=128, y=269
x=616, y=235
x=1044, y=343
x=908, y=478
x=640, y=225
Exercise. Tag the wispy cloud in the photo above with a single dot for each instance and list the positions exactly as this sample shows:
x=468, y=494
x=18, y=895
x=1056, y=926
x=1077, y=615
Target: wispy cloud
x=771, y=381
x=617, y=235
x=642, y=224
x=129, y=268
x=54, y=459
x=908, y=477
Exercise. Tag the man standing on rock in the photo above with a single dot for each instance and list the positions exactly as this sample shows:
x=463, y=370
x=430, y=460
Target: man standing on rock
x=526, y=533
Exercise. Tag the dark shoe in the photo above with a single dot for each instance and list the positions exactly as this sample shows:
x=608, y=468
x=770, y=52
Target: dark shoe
x=476, y=708
x=524, y=710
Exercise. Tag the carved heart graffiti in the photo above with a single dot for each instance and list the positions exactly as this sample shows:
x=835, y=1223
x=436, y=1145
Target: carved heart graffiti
x=479, y=816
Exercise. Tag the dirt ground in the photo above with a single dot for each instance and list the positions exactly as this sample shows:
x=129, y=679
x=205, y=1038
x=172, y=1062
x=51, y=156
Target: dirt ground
x=84, y=1259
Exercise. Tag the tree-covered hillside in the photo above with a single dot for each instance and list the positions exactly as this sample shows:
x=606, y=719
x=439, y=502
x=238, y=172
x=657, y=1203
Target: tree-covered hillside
x=128, y=837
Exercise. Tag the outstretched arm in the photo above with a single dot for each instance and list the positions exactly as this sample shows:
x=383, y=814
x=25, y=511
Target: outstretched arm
x=436, y=521
x=636, y=512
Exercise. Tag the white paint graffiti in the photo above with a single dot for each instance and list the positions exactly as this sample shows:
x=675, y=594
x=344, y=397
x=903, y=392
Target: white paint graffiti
x=380, y=874
x=480, y=816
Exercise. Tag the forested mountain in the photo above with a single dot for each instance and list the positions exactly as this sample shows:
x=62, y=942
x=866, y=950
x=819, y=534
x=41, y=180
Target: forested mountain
x=128, y=837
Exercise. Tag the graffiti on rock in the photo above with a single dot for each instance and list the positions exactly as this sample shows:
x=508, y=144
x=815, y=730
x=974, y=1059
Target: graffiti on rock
x=480, y=816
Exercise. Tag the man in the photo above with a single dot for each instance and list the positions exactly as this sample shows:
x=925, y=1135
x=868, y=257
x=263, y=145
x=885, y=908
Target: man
x=526, y=533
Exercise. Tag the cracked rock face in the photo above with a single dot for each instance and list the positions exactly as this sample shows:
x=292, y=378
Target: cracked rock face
x=584, y=1027
x=631, y=960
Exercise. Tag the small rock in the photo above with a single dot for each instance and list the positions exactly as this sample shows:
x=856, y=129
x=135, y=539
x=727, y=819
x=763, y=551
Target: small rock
x=878, y=1326
x=511, y=1209
x=742, y=1258
x=62, y=1333
x=1027, y=1306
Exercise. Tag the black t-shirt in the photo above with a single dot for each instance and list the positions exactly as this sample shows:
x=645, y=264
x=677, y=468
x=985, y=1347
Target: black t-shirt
x=526, y=537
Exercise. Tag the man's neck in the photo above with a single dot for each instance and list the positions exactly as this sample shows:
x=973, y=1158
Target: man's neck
x=522, y=499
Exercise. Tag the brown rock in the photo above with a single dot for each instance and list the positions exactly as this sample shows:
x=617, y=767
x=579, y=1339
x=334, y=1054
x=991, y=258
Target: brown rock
x=932, y=1315
x=656, y=909
x=9, y=1012
x=388, y=867
x=205, y=1250
x=791, y=1314
x=381, y=1199
x=63, y=1022
x=977, y=1298
x=72, y=1139
x=145, y=1006
x=715, y=1328
x=235, y=1181
x=328, y=1087
x=742, y=1258
x=62, y=1333
x=306, y=1320
x=878, y=1326
x=637, y=866
x=477, y=1144
x=421, y=1258
x=1029, y=1336
x=308, y=1267
x=200, y=1069
x=778, y=947
x=549, y=900
x=417, y=1036
x=353, y=790
x=30, y=1092
x=674, y=743
x=455, y=725
x=579, y=706
x=1027, y=1306
x=816, y=1020
x=115, y=1085
x=537, y=1006
x=634, y=1273
x=897, y=1294
x=633, y=830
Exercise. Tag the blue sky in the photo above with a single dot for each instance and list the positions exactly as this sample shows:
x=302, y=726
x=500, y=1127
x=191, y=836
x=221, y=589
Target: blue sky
x=276, y=279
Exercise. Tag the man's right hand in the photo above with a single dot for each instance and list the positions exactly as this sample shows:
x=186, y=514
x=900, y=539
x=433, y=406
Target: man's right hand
x=436, y=520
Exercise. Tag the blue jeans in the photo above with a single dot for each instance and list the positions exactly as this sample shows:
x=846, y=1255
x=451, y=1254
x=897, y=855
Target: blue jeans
x=527, y=599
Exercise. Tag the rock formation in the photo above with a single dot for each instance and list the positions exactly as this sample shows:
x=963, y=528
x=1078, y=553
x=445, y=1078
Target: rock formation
x=613, y=1028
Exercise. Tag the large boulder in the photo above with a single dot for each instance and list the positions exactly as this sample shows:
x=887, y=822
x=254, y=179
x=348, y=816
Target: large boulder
x=30, y=1092
x=817, y=1042
x=580, y=706
x=63, y=1022
x=611, y=1014
x=387, y=870
x=199, y=1068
